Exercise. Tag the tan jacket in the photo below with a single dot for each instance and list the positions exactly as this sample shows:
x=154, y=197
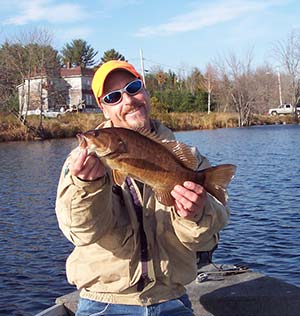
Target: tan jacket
x=101, y=222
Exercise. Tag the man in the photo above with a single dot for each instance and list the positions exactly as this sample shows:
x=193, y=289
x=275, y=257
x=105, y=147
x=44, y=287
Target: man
x=133, y=255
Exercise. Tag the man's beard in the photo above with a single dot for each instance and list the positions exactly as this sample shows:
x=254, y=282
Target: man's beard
x=139, y=122
x=139, y=119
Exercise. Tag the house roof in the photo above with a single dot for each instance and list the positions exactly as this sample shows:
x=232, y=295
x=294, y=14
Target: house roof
x=76, y=71
x=65, y=72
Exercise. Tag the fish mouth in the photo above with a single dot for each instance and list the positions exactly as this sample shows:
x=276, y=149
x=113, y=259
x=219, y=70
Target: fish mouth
x=87, y=136
x=80, y=137
x=81, y=140
x=86, y=139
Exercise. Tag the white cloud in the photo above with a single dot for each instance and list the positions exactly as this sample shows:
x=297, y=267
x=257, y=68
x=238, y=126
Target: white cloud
x=202, y=16
x=46, y=10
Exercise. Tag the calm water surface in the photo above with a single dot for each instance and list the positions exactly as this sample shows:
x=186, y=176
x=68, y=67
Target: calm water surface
x=264, y=232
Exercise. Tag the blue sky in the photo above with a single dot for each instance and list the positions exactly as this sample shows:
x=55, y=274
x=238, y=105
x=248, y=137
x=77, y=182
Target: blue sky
x=172, y=34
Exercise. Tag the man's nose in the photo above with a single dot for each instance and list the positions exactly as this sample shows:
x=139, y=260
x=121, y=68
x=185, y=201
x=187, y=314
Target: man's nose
x=126, y=97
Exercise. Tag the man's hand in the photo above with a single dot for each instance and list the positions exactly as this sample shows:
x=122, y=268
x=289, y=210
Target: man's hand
x=85, y=167
x=189, y=199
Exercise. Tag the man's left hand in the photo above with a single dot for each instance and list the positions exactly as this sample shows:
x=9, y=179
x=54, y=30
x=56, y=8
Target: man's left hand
x=189, y=199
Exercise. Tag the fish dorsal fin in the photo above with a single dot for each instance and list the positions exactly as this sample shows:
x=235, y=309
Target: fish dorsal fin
x=148, y=133
x=118, y=177
x=182, y=151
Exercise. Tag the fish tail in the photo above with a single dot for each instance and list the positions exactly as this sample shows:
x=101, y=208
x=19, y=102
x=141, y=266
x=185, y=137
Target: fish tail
x=216, y=179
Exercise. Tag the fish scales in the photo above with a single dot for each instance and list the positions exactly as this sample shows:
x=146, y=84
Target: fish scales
x=151, y=162
x=158, y=163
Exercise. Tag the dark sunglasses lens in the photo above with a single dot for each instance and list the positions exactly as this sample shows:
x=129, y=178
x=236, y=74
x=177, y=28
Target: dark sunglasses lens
x=113, y=97
x=134, y=87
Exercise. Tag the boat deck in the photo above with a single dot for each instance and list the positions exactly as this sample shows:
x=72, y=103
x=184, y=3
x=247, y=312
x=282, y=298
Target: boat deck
x=222, y=293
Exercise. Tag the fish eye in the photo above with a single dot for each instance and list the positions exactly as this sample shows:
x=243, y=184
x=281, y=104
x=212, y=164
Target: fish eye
x=122, y=145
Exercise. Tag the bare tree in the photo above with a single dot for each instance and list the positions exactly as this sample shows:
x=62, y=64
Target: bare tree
x=27, y=54
x=266, y=89
x=239, y=85
x=287, y=53
x=23, y=56
x=221, y=93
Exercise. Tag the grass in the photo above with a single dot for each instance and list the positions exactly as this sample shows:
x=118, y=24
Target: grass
x=69, y=125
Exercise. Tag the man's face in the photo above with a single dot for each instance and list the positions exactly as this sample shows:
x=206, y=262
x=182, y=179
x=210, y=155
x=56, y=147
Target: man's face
x=133, y=110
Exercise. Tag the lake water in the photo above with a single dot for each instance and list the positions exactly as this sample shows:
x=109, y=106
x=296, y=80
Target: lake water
x=264, y=231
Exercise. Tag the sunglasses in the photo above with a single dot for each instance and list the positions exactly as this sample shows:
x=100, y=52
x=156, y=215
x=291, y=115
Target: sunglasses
x=115, y=97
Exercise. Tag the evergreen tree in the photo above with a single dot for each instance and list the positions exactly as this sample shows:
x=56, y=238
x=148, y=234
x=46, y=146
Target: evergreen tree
x=78, y=53
x=111, y=54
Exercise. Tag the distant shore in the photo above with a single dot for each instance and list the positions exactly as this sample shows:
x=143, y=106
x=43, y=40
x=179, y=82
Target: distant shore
x=69, y=125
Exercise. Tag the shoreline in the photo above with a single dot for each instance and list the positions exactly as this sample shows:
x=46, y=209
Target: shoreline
x=11, y=129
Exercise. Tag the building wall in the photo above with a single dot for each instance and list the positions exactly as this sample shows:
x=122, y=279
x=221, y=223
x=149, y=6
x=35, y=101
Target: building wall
x=72, y=88
x=74, y=91
x=87, y=93
x=38, y=95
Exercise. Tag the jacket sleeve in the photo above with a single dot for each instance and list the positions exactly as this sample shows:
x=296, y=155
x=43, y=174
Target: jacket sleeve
x=201, y=233
x=83, y=208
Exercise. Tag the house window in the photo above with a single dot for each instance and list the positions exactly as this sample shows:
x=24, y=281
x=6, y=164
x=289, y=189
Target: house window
x=88, y=99
x=86, y=84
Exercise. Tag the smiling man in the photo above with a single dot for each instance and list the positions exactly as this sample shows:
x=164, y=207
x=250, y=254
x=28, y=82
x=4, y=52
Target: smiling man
x=130, y=109
x=133, y=255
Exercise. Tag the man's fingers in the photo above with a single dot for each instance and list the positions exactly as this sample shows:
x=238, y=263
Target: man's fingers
x=185, y=195
x=197, y=188
x=89, y=164
x=181, y=208
x=199, y=197
x=189, y=199
x=77, y=160
x=96, y=170
x=84, y=166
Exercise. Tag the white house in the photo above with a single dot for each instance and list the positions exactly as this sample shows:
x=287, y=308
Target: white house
x=71, y=88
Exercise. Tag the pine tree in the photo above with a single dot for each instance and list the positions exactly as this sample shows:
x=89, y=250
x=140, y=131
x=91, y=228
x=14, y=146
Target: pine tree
x=111, y=54
x=78, y=53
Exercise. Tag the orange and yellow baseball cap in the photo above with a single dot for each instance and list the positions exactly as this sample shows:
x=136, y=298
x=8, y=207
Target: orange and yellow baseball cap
x=104, y=70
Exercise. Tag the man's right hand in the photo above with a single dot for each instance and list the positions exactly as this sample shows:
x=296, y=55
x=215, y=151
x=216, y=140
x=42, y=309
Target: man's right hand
x=86, y=167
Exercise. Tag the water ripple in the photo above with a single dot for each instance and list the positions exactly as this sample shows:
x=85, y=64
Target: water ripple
x=263, y=233
x=264, y=230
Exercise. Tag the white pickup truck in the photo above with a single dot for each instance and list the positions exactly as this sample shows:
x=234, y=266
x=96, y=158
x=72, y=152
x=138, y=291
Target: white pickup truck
x=49, y=113
x=284, y=109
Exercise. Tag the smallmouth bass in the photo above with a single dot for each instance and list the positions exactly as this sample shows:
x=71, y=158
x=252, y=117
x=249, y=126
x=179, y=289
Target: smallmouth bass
x=159, y=163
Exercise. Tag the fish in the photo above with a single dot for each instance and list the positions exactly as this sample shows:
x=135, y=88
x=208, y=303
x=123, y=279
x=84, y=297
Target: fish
x=159, y=163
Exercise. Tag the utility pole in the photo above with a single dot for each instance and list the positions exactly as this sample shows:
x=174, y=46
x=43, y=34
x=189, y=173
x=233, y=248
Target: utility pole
x=279, y=87
x=142, y=66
